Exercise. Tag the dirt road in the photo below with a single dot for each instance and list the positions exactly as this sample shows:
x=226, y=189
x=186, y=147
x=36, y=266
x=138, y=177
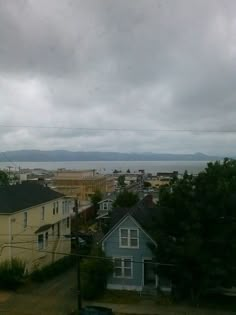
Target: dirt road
x=55, y=297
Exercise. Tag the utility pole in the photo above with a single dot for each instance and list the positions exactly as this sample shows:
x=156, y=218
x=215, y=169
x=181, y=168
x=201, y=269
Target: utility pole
x=79, y=300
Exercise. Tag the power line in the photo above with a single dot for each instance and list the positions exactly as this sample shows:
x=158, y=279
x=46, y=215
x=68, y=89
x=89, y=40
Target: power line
x=122, y=129
x=85, y=256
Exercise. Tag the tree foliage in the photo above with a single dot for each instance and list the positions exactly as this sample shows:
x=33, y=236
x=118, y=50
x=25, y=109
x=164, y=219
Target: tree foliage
x=121, y=181
x=126, y=199
x=96, y=198
x=4, y=179
x=147, y=185
x=11, y=273
x=195, y=230
x=95, y=272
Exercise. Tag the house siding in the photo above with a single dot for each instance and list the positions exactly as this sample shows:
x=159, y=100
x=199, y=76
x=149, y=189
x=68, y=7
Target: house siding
x=17, y=240
x=112, y=249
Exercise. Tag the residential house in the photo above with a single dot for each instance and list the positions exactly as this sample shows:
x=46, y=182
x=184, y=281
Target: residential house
x=106, y=205
x=33, y=222
x=127, y=242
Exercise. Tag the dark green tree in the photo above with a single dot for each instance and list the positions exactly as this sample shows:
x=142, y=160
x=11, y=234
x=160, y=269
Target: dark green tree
x=126, y=199
x=95, y=272
x=96, y=198
x=147, y=185
x=128, y=170
x=121, y=181
x=4, y=179
x=195, y=228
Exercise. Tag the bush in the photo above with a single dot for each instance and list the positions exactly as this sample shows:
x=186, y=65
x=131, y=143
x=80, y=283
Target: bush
x=11, y=273
x=52, y=270
x=94, y=274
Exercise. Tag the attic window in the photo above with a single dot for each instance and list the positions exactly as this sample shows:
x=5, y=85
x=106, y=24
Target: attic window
x=129, y=238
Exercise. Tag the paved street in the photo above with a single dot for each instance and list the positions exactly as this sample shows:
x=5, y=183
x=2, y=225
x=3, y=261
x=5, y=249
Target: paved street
x=56, y=297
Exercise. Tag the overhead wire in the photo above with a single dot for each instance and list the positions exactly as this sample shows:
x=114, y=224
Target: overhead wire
x=2, y=125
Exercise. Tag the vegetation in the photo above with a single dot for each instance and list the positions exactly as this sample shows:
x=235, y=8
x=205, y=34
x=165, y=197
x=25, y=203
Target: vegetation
x=52, y=270
x=4, y=179
x=195, y=229
x=147, y=185
x=94, y=274
x=11, y=274
x=121, y=181
x=95, y=199
x=126, y=199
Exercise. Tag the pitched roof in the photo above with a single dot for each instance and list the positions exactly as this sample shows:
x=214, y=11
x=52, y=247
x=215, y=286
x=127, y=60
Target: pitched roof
x=22, y=196
x=142, y=212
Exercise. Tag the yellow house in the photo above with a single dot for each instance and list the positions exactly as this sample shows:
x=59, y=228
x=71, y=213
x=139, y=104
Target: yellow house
x=34, y=220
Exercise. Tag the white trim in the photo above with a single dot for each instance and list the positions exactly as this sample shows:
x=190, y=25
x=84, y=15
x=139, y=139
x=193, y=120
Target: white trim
x=122, y=258
x=129, y=238
x=123, y=220
x=105, y=200
x=111, y=286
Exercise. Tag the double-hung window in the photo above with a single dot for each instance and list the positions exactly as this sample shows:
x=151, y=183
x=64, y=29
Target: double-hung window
x=129, y=238
x=123, y=267
x=40, y=241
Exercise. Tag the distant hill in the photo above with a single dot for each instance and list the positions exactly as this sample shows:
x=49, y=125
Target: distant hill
x=63, y=155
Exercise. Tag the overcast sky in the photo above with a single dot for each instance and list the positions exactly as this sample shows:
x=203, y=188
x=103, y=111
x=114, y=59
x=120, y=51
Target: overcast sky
x=118, y=64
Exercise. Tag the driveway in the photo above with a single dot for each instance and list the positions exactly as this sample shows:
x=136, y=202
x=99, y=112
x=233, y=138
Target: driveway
x=55, y=297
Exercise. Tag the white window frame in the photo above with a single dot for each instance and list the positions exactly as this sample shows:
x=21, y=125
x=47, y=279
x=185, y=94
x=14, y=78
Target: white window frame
x=105, y=205
x=129, y=238
x=123, y=258
x=45, y=240
x=43, y=243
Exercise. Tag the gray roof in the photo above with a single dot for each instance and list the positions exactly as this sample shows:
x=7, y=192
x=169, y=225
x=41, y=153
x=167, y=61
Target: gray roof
x=18, y=197
x=143, y=212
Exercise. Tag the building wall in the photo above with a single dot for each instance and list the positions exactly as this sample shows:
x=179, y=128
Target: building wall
x=83, y=188
x=157, y=182
x=111, y=248
x=24, y=240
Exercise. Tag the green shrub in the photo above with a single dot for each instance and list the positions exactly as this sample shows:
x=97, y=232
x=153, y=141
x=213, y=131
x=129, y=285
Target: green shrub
x=52, y=270
x=11, y=273
x=94, y=274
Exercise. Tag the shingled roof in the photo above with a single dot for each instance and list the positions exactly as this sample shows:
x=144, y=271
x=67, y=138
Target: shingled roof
x=142, y=212
x=22, y=196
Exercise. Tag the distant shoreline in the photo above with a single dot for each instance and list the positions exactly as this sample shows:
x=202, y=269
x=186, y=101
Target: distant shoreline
x=107, y=167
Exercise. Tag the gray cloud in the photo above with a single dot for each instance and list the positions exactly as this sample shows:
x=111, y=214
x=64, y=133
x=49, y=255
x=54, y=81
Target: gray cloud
x=117, y=64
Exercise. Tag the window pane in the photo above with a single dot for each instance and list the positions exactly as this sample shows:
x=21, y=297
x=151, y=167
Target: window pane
x=40, y=241
x=124, y=242
x=127, y=272
x=133, y=233
x=127, y=263
x=117, y=263
x=133, y=242
x=118, y=272
x=124, y=233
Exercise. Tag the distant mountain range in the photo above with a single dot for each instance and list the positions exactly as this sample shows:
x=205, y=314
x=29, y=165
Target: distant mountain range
x=63, y=155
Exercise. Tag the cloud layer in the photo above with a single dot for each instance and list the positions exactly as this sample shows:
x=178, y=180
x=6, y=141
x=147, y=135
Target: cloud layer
x=138, y=64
